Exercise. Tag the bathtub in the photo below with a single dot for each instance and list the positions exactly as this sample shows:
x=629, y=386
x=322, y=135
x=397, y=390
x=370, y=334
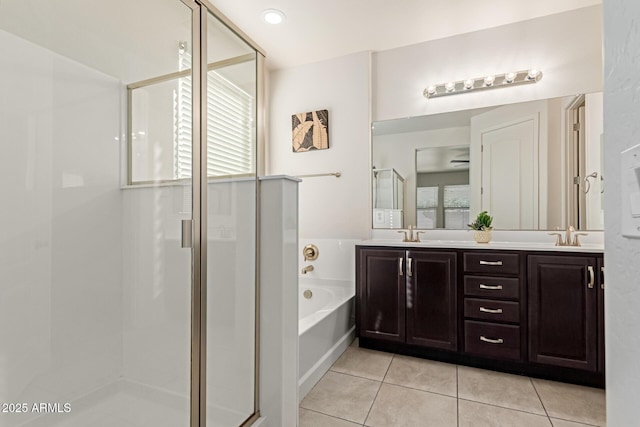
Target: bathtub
x=326, y=327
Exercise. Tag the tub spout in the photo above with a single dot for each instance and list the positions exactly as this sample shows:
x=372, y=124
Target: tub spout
x=307, y=269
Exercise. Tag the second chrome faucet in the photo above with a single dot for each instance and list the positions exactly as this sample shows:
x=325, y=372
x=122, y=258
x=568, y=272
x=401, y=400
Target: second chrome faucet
x=411, y=237
x=571, y=237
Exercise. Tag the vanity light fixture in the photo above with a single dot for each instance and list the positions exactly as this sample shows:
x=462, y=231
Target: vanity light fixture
x=515, y=78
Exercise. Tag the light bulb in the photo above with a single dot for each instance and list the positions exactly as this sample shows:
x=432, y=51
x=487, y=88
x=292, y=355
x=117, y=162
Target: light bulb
x=450, y=87
x=510, y=77
x=468, y=84
x=431, y=90
x=533, y=74
x=488, y=81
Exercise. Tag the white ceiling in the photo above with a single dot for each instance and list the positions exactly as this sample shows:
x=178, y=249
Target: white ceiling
x=315, y=31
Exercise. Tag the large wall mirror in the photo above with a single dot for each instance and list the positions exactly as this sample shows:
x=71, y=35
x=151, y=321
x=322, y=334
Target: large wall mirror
x=533, y=166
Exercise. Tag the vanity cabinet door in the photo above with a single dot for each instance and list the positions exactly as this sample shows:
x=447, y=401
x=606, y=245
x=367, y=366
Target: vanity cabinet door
x=431, y=299
x=563, y=311
x=601, y=358
x=381, y=294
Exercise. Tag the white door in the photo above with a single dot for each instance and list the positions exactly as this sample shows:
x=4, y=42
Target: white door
x=509, y=189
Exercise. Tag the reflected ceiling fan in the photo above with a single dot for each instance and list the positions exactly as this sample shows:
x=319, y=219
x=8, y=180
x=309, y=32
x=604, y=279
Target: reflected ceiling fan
x=456, y=163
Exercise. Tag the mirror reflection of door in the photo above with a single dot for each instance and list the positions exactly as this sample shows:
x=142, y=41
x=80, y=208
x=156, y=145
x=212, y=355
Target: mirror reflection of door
x=586, y=185
x=509, y=187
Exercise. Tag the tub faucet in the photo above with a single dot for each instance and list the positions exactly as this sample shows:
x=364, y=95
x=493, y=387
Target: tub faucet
x=307, y=269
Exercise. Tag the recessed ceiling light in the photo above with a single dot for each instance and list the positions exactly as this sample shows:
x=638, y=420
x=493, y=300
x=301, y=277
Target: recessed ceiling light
x=273, y=16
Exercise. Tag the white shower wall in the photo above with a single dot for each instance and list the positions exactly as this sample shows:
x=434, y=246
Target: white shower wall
x=60, y=245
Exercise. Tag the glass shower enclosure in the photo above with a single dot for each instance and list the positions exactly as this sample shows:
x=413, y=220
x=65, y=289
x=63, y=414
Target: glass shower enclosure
x=128, y=133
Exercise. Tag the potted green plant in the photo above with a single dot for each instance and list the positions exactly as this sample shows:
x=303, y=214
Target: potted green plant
x=482, y=227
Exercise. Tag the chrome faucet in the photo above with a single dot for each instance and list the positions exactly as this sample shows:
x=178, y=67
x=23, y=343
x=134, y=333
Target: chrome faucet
x=571, y=237
x=307, y=269
x=411, y=237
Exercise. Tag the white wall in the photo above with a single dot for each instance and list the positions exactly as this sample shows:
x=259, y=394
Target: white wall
x=622, y=291
x=60, y=246
x=567, y=47
x=329, y=207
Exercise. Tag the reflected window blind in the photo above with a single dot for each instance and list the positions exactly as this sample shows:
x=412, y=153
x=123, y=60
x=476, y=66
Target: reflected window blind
x=230, y=147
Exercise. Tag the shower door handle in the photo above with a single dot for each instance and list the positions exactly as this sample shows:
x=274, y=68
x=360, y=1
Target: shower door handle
x=187, y=233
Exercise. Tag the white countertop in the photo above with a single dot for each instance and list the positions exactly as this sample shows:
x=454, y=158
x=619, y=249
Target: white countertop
x=493, y=245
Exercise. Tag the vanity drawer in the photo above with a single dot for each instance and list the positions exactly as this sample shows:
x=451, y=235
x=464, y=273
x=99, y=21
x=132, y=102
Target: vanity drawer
x=492, y=287
x=495, y=311
x=491, y=262
x=492, y=340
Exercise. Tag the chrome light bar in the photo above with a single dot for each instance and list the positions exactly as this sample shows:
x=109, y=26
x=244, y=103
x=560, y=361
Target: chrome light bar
x=481, y=83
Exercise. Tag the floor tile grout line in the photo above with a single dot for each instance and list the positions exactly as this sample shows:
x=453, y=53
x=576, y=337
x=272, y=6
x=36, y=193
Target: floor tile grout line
x=419, y=389
x=502, y=407
x=378, y=392
x=355, y=376
x=540, y=399
x=332, y=416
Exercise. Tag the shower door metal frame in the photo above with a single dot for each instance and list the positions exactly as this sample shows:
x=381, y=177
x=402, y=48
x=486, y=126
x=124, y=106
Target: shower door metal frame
x=198, y=376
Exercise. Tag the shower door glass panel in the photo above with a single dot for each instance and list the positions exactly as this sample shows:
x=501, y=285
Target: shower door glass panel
x=231, y=217
x=95, y=289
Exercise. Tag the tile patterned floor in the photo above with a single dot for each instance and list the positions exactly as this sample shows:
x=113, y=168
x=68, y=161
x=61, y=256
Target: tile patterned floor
x=376, y=389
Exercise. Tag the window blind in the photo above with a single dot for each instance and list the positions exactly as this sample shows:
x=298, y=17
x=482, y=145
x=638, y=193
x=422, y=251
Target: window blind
x=230, y=135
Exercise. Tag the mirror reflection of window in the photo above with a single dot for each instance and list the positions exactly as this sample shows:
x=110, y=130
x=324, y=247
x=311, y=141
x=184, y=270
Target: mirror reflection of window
x=427, y=207
x=456, y=206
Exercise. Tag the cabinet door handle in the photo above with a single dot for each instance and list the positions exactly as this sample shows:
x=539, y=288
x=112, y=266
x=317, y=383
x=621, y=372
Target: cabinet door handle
x=491, y=341
x=490, y=287
x=592, y=277
x=400, y=261
x=602, y=278
x=482, y=262
x=409, y=270
x=491, y=310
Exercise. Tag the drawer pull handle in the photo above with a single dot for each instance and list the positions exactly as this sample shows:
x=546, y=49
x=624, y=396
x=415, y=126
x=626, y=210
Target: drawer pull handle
x=491, y=341
x=491, y=287
x=491, y=310
x=490, y=262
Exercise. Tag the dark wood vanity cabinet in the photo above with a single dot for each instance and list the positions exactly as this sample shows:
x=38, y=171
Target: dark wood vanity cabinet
x=565, y=297
x=407, y=296
x=381, y=289
x=525, y=312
